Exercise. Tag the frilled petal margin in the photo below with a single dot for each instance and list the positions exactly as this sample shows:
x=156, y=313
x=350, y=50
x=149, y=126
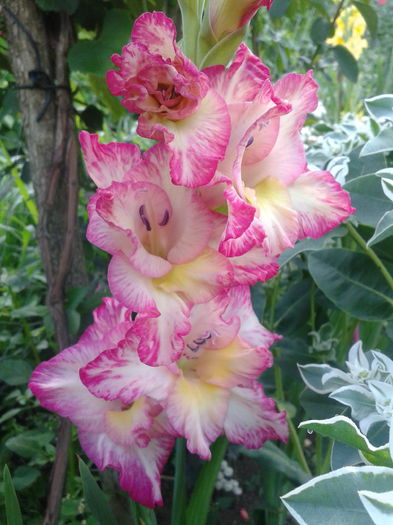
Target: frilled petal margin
x=106, y=163
x=197, y=142
x=197, y=411
x=320, y=202
x=252, y=418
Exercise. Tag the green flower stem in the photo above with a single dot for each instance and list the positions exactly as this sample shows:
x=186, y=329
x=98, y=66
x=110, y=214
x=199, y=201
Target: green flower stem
x=273, y=301
x=326, y=463
x=279, y=394
x=293, y=436
x=370, y=252
x=191, y=13
x=198, y=507
x=179, y=490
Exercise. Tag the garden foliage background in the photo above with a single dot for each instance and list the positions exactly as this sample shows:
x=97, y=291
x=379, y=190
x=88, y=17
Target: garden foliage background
x=329, y=291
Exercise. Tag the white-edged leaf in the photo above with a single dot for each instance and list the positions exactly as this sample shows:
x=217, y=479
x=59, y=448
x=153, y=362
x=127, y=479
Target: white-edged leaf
x=360, y=400
x=387, y=187
x=333, y=499
x=379, y=505
x=380, y=106
x=323, y=379
x=344, y=456
x=383, y=142
x=384, y=228
x=343, y=429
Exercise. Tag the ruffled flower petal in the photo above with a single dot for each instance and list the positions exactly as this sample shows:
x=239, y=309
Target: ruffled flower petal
x=198, y=142
x=127, y=447
x=199, y=280
x=253, y=266
x=233, y=365
x=279, y=219
x=242, y=81
x=197, y=411
x=160, y=340
x=252, y=418
x=320, y=202
x=119, y=374
x=287, y=159
x=106, y=163
x=134, y=290
x=157, y=32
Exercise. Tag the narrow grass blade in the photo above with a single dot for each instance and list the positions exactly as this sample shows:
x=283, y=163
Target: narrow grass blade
x=95, y=497
x=12, y=509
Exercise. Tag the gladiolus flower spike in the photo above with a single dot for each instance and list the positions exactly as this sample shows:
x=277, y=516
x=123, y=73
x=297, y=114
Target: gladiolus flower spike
x=189, y=225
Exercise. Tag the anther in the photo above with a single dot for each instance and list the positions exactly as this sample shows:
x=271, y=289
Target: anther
x=144, y=219
x=202, y=339
x=192, y=348
x=165, y=219
x=250, y=141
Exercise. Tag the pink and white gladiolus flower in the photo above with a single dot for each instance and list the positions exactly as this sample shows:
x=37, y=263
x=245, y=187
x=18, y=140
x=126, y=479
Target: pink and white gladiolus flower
x=131, y=438
x=212, y=389
x=174, y=100
x=272, y=198
x=158, y=234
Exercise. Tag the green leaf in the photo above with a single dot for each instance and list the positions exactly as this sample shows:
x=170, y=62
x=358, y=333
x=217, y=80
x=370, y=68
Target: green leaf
x=69, y=6
x=111, y=103
x=30, y=443
x=383, y=230
x=293, y=308
x=12, y=509
x=387, y=188
x=346, y=62
x=279, y=8
x=352, y=281
x=343, y=429
x=95, y=497
x=320, y=30
x=379, y=505
x=15, y=371
x=312, y=375
x=332, y=498
x=344, y=456
x=24, y=477
x=317, y=406
x=275, y=459
x=364, y=165
x=380, y=106
x=382, y=143
x=93, y=56
x=370, y=17
x=222, y=51
x=198, y=507
x=369, y=199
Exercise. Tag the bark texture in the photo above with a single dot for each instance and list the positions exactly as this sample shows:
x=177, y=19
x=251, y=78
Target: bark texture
x=53, y=160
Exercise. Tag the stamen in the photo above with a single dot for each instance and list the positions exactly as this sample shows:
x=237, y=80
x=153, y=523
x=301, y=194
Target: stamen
x=202, y=339
x=192, y=348
x=165, y=219
x=250, y=141
x=144, y=219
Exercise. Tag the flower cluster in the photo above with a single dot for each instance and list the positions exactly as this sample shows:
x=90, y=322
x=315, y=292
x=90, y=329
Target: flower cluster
x=190, y=224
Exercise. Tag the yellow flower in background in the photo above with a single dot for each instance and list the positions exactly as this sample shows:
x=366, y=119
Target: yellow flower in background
x=350, y=28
